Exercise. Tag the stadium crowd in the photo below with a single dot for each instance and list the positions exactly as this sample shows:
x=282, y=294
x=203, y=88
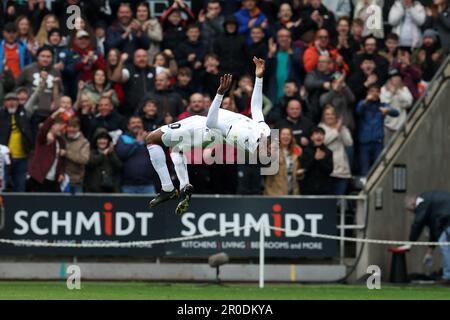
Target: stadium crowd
x=78, y=95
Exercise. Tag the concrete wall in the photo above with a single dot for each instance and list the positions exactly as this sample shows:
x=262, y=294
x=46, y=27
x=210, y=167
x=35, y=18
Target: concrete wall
x=426, y=154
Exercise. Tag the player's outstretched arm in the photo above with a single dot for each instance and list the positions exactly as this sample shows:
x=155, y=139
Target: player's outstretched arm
x=257, y=95
x=212, y=120
x=260, y=67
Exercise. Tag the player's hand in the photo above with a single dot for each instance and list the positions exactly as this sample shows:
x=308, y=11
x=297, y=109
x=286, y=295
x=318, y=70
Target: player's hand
x=225, y=83
x=260, y=66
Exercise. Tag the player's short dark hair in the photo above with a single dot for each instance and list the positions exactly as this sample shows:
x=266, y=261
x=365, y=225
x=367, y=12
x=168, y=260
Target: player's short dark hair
x=214, y=1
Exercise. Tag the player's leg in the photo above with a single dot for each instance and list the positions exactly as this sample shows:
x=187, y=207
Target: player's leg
x=158, y=159
x=186, y=189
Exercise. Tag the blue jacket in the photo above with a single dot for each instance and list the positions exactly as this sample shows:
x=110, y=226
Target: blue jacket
x=371, y=120
x=24, y=54
x=294, y=72
x=114, y=40
x=137, y=168
x=243, y=17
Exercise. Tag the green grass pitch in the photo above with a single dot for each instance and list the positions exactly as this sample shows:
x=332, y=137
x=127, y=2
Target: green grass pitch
x=29, y=290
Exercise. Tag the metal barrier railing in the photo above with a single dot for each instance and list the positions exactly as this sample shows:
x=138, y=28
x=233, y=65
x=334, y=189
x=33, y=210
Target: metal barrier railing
x=421, y=104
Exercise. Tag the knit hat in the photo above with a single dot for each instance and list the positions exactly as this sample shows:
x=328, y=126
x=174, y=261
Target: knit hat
x=430, y=33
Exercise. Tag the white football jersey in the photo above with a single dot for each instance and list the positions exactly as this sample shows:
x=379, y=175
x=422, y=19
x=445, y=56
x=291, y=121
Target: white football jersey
x=243, y=130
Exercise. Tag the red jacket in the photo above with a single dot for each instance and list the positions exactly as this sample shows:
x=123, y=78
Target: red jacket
x=44, y=154
x=87, y=71
x=311, y=58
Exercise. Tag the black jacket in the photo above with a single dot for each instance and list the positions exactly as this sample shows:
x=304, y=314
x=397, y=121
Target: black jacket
x=232, y=51
x=301, y=129
x=317, y=179
x=140, y=83
x=112, y=122
x=167, y=101
x=22, y=122
x=432, y=211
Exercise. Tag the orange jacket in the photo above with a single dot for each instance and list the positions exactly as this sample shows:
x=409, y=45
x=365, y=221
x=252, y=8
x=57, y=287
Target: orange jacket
x=311, y=57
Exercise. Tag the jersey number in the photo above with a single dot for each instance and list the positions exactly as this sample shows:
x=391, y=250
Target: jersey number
x=174, y=125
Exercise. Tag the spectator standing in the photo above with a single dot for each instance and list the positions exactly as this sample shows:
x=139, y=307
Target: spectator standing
x=317, y=83
x=407, y=17
x=106, y=118
x=371, y=113
x=429, y=56
x=291, y=91
x=300, y=125
x=47, y=165
x=41, y=72
x=317, y=161
x=284, y=62
x=191, y=52
x=150, y=117
x=169, y=102
x=285, y=181
x=340, y=8
x=398, y=96
x=410, y=73
x=438, y=18
x=15, y=132
x=231, y=49
x=138, y=80
x=345, y=44
x=184, y=86
x=26, y=34
x=138, y=175
x=151, y=27
x=287, y=20
x=103, y=169
x=370, y=51
x=211, y=23
x=248, y=17
x=373, y=10
x=196, y=107
x=337, y=138
x=83, y=59
x=322, y=46
x=49, y=22
x=99, y=87
x=126, y=34
x=13, y=52
x=77, y=155
x=363, y=78
x=342, y=99
x=174, y=24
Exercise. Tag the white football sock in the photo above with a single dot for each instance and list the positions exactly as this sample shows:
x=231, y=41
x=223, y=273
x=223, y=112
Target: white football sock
x=179, y=162
x=158, y=159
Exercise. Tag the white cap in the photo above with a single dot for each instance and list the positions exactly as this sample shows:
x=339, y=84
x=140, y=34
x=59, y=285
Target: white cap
x=82, y=33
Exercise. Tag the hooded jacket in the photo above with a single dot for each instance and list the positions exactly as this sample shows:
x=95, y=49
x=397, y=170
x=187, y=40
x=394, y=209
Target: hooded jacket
x=232, y=50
